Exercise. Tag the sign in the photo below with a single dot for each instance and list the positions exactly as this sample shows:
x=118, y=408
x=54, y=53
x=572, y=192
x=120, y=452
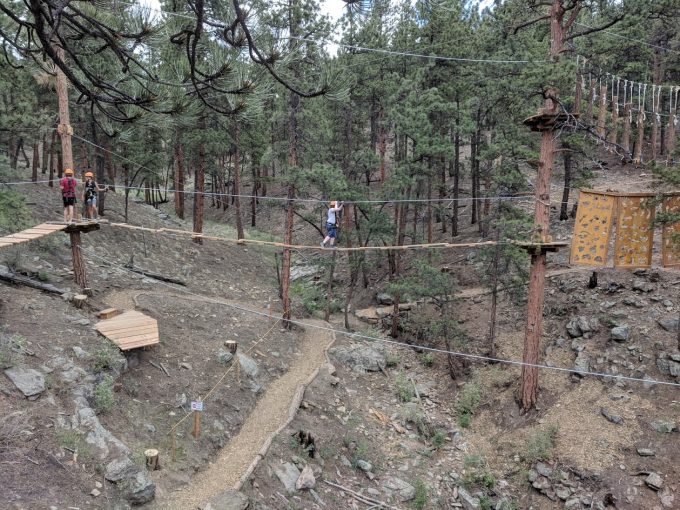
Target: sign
x=197, y=406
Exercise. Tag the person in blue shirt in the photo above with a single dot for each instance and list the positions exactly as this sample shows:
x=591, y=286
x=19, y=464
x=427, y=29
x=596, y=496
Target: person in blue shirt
x=332, y=224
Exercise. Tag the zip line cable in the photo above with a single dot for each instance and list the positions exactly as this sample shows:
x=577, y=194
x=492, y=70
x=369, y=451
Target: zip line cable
x=614, y=34
x=362, y=337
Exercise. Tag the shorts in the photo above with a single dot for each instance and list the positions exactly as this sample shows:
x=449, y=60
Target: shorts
x=331, y=230
x=92, y=201
x=69, y=201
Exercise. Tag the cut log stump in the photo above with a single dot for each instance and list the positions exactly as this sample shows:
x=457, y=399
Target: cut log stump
x=152, y=462
x=79, y=300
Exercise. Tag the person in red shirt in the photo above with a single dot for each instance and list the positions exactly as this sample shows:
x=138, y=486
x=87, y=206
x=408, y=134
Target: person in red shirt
x=68, y=186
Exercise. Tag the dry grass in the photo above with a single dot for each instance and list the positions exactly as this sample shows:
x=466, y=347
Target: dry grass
x=12, y=427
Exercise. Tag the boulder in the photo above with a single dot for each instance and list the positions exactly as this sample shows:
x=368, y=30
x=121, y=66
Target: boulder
x=664, y=426
x=360, y=357
x=646, y=452
x=613, y=418
x=621, y=333
x=578, y=326
x=30, y=382
x=248, y=365
x=227, y=500
x=654, y=481
x=288, y=474
x=642, y=285
x=298, y=272
x=397, y=487
x=306, y=479
x=133, y=482
x=468, y=501
x=224, y=357
x=384, y=299
x=582, y=362
x=670, y=324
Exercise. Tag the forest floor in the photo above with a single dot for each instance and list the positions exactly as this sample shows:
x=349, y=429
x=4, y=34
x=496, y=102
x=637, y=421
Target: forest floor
x=386, y=420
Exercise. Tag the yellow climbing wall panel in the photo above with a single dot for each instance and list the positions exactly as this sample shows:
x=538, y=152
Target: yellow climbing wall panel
x=634, y=231
x=670, y=245
x=593, y=228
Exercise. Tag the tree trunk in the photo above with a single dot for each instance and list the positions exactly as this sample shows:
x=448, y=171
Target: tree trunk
x=602, y=113
x=670, y=131
x=637, y=158
x=285, y=264
x=473, y=178
x=382, y=144
x=402, y=209
x=532, y=339
x=237, y=185
x=456, y=183
x=564, y=214
x=35, y=162
x=625, y=143
x=494, y=295
x=591, y=101
x=256, y=187
x=199, y=188
x=79, y=270
x=110, y=169
x=613, y=137
x=64, y=129
x=329, y=288
x=178, y=178
x=45, y=153
x=52, y=158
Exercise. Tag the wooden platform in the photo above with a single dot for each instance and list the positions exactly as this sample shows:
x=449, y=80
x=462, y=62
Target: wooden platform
x=32, y=233
x=130, y=330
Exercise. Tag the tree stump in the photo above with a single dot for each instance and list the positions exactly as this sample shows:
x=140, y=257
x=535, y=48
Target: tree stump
x=79, y=300
x=152, y=462
x=232, y=346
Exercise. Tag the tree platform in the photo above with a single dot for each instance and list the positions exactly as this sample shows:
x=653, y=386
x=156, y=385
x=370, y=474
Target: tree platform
x=130, y=330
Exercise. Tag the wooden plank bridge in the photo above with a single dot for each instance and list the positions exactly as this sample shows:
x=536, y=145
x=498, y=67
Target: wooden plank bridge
x=32, y=233
x=130, y=330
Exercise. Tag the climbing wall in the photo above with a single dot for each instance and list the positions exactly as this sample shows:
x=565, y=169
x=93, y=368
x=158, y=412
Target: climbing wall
x=634, y=231
x=593, y=228
x=670, y=247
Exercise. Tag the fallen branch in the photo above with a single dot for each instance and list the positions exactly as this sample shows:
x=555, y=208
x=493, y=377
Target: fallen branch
x=8, y=276
x=169, y=279
x=165, y=370
x=361, y=497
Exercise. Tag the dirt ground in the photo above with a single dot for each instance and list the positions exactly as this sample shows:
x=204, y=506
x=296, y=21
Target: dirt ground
x=353, y=416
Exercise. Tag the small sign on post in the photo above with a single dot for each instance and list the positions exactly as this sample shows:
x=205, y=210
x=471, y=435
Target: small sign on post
x=197, y=408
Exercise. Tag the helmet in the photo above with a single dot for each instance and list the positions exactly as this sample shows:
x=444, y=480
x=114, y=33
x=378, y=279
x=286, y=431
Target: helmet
x=89, y=174
x=68, y=171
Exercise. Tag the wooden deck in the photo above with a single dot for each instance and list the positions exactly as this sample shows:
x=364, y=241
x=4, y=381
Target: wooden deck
x=32, y=233
x=130, y=330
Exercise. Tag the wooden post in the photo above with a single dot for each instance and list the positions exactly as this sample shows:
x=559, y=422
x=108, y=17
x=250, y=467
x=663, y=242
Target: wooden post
x=654, y=141
x=197, y=425
x=232, y=346
x=152, y=462
x=79, y=270
x=64, y=128
x=591, y=100
x=670, y=131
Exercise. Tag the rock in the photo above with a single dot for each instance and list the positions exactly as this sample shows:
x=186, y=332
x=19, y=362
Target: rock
x=384, y=299
x=642, y=285
x=72, y=375
x=248, y=365
x=134, y=483
x=298, y=272
x=614, y=418
x=562, y=492
x=669, y=324
x=654, y=481
x=224, y=357
x=85, y=419
x=543, y=469
x=664, y=426
x=468, y=500
x=360, y=357
x=577, y=326
x=364, y=465
x=79, y=352
x=404, y=491
x=573, y=504
x=30, y=382
x=95, y=492
x=621, y=333
x=646, y=452
x=306, y=479
x=542, y=483
x=288, y=474
x=82, y=322
x=582, y=363
x=227, y=500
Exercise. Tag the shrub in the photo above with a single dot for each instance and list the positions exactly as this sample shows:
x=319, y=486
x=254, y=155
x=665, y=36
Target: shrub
x=104, y=399
x=104, y=358
x=404, y=387
x=427, y=358
x=421, y=498
x=540, y=446
x=439, y=438
x=468, y=401
x=43, y=276
x=310, y=295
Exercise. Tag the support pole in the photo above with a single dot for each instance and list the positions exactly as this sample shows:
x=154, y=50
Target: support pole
x=79, y=270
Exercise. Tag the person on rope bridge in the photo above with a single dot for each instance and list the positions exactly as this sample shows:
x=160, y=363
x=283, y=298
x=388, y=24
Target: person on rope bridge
x=332, y=224
x=90, y=193
x=68, y=186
